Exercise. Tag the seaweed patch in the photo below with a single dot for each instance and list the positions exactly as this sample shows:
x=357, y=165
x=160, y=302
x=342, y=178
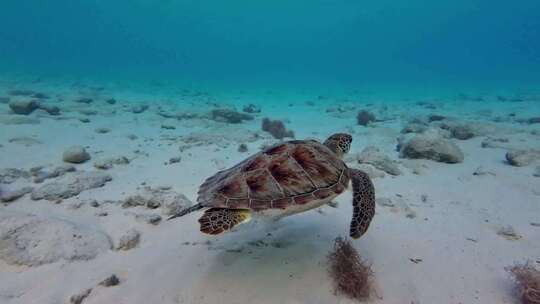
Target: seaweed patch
x=351, y=275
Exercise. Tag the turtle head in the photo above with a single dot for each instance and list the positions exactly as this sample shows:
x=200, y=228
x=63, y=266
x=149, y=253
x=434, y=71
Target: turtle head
x=340, y=143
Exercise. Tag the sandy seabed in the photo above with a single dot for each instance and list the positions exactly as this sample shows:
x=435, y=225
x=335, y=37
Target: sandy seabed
x=443, y=232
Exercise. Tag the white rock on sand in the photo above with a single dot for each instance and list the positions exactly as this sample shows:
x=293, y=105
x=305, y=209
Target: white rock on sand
x=71, y=185
x=170, y=201
x=75, y=155
x=373, y=156
x=108, y=163
x=23, y=107
x=522, y=158
x=129, y=240
x=431, y=145
x=7, y=196
x=34, y=240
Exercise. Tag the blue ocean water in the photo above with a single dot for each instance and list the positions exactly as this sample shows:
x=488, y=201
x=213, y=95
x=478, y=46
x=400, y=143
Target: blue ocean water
x=280, y=43
x=116, y=114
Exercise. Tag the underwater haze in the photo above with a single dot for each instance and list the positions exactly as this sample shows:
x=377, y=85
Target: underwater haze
x=263, y=152
x=277, y=43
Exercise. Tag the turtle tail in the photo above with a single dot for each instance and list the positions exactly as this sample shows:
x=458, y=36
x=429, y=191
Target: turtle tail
x=186, y=211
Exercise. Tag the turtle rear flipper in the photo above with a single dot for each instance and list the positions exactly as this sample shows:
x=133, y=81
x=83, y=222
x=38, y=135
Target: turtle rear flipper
x=219, y=220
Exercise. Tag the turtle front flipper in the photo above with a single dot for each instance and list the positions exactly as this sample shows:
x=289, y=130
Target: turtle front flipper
x=219, y=220
x=363, y=203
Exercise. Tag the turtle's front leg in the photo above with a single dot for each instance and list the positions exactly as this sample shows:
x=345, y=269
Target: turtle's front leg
x=363, y=203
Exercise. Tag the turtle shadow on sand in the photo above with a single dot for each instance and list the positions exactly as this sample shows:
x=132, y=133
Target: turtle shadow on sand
x=286, y=263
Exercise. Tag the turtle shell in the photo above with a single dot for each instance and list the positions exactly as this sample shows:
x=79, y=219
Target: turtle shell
x=291, y=173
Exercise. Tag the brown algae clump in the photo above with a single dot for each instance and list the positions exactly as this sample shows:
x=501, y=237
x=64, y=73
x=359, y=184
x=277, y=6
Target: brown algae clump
x=528, y=279
x=352, y=276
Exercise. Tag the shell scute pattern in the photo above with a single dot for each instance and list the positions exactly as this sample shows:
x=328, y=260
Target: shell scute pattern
x=292, y=173
x=256, y=163
x=292, y=178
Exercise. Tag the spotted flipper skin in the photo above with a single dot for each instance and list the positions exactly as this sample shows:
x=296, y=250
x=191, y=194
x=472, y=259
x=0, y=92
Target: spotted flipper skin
x=219, y=220
x=363, y=203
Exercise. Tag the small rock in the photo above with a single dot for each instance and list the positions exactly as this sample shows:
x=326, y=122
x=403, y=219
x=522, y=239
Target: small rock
x=112, y=280
x=491, y=142
x=508, y=233
x=170, y=201
x=520, y=158
x=462, y=130
x=229, y=116
x=10, y=175
x=139, y=109
x=410, y=214
x=25, y=141
x=174, y=203
x=481, y=171
x=76, y=205
x=536, y=172
x=76, y=155
x=9, y=196
x=533, y=120
x=84, y=120
x=436, y=117
x=71, y=185
x=153, y=203
x=103, y=164
x=102, y=130
x=23, y=107
x=251, y=108
x=175, y=160
x=385, y=201
x=373, y=156
x=168, y=126
x=84, y=100
x=132, y=137
x=242, y=148
x=108, y=163
x=36, y=240
x=414, y=128
x=371, y=171
x=79, y=298
x=430, y=145
x=4, y=100
x=40, y=175
x=364, y=117
x=276, y=128
x=134, y=201
x=111, y=101
x=153, y=219
x=129, y=240
x=52, y=110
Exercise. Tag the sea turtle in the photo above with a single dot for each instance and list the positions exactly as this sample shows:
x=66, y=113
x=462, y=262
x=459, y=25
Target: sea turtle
x=284, y=179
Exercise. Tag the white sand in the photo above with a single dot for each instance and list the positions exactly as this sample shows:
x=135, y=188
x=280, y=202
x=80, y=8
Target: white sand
x=453, y=232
